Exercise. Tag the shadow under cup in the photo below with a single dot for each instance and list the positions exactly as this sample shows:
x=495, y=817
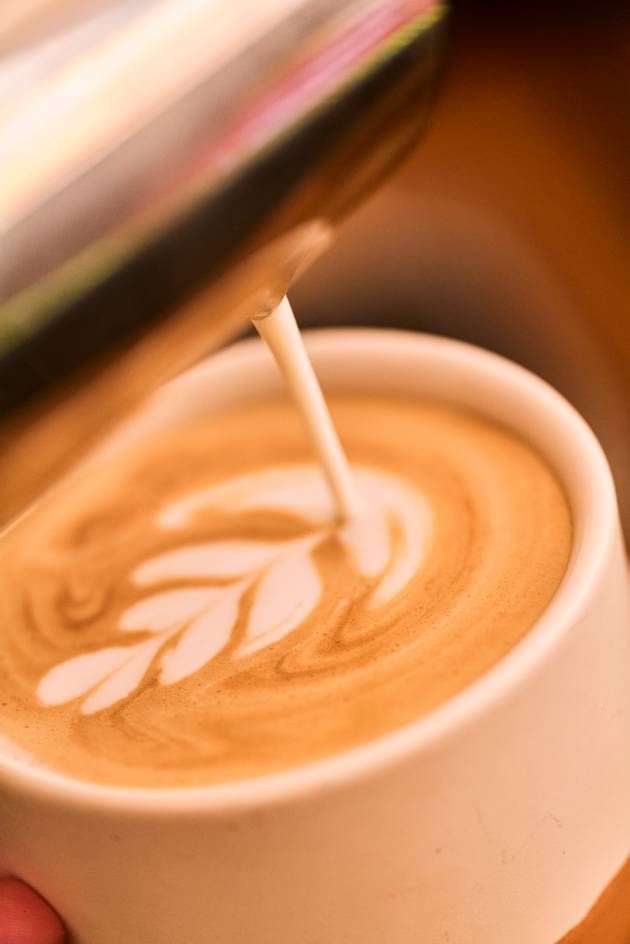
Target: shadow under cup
x=501, y=816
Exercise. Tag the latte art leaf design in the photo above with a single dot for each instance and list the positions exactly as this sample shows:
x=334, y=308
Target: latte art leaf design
x=202, y=619
x=189, y=626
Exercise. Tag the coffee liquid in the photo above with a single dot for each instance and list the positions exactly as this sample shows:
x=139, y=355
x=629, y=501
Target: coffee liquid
x=197, y=611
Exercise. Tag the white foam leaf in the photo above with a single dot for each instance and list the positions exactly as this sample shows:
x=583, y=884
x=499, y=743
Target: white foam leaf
x=205, y=636
x=124, y=680
x=216, y=559
x=76, y=676
x=162, y=611
x=298, y=489
x=414, y=520
x=285, y=596
x=308, y=499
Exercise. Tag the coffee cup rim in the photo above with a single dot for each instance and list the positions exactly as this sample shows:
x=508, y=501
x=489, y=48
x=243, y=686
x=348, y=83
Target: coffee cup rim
x=600, y=528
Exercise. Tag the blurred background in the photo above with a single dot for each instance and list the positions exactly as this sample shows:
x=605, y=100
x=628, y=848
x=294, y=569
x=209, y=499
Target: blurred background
x=510, y=225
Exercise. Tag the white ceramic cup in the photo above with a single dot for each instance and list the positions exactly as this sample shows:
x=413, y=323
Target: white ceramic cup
x=498, y=818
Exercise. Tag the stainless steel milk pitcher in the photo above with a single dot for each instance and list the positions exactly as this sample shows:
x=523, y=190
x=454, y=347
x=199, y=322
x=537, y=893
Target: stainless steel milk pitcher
x=167, y=168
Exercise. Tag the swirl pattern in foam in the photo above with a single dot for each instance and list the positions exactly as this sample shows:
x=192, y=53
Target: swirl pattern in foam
x=193, y=613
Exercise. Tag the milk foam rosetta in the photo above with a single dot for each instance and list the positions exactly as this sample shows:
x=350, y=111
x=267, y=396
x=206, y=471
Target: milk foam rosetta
x=192, y=612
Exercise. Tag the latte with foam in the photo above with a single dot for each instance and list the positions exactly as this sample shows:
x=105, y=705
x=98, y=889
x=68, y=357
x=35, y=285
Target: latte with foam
x=191, y=612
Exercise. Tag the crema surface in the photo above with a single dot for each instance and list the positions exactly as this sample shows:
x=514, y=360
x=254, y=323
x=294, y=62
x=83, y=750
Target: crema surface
x=190, y=612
